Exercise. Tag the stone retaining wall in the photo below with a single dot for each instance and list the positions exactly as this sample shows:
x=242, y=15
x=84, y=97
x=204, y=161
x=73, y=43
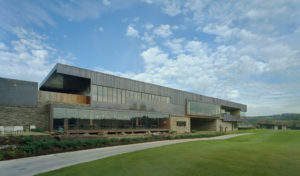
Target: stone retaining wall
x=25, y=116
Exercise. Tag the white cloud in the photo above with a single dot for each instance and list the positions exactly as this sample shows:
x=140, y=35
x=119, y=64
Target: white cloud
x=175, y=45
x=136, y=19
x=29, y=58
x=3, y=46
x=132, y=32
x=100, y=29
x=172, y=7
x=106, y=2
x=149, y=26
x=148, y=38
x=163, y=30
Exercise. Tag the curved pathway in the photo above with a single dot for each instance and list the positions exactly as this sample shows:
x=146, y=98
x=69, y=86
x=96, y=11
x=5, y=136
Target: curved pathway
x=44, y=163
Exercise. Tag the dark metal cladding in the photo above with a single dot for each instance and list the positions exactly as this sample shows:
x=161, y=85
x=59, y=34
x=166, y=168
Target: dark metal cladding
x=18, y=93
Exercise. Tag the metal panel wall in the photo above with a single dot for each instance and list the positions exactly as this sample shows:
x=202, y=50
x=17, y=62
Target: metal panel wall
x=177, y=97
x=18, y=93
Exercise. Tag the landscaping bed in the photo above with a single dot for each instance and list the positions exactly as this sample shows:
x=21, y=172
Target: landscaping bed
x=12, y=147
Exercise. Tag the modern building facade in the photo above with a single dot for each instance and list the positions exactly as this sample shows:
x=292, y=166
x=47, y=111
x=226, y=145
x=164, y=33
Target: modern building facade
x=76, y=100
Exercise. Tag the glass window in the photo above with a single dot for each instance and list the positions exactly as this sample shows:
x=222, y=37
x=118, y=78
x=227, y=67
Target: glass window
x=138, y=96
x=115, y=95
x=94, y=93
x=100, y=93
x=109, y=95
x=163, y=99
x=104, y=93
x=119, y=96
x=167, y=99
x=181, y=123
x=123, y=97
x=198, y=108
x=127, y=94
x=134, y=95
x=143, y=97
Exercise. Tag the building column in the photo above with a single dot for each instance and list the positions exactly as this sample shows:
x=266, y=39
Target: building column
x=65, y=124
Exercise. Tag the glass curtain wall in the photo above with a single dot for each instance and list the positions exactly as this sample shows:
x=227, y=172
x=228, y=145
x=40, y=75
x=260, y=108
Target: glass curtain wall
x=79, y=119
x=119, y=96
x=199, y=108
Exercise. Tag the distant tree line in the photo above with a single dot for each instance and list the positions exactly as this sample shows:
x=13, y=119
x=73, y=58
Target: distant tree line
x=292, y=120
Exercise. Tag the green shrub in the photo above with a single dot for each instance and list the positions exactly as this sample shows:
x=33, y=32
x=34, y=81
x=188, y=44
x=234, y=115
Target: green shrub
x=138, y=139
x=169, y=137
x=157, y=137
x=26, y=140
x=114, y=140
x=126, y=140
x=1, y=155
x=38, y=130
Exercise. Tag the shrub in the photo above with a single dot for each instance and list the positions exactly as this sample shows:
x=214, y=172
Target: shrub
x=138, y=139
x=38, y=130
x=1, y=155
x=126, y=140
x=157, y=137
x=113, y=140
x=26, y=140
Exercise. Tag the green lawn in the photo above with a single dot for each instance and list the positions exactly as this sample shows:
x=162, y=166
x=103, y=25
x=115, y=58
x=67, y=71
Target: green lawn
x=262, y=153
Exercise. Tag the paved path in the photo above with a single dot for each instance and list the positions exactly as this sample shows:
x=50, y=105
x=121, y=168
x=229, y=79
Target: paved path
x=39, y=164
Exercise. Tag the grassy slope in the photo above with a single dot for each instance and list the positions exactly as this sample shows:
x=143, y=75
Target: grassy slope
x=263, y=153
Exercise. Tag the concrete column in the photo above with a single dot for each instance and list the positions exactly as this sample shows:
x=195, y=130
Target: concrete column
x=65, y=124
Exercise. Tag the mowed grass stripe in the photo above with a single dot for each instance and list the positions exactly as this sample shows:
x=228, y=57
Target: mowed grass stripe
x=262, y=153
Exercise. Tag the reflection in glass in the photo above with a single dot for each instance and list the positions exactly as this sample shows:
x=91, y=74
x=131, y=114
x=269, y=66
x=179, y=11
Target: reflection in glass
x=95, y=119
x=104, y=94
x=198, y=108
x=100, y=93
x=94, y=93
x=115, y=95
x=123, y=97
x=119, y=96
x=109, y=95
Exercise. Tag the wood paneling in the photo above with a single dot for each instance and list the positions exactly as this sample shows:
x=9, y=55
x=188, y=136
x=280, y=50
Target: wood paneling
x=63, y=97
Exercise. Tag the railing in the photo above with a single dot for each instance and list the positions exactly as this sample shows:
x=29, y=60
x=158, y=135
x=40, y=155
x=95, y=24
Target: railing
x=229, y=118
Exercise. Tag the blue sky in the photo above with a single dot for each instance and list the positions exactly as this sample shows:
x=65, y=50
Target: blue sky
x=243, y=51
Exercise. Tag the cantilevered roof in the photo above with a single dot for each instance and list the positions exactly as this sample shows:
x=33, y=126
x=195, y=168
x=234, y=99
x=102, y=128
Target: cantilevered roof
x=72, y=74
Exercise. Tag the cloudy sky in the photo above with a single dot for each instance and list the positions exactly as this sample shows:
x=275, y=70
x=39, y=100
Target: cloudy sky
x=243, y=51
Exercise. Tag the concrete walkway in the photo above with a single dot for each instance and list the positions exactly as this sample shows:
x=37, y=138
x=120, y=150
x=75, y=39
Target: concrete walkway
x=39, y=164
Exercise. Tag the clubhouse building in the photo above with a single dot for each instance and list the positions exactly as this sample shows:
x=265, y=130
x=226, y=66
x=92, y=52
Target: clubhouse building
x=75, y=100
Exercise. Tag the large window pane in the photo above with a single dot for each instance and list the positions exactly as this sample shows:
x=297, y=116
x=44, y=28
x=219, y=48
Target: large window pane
x=109, y=95
x=198, y=108
x=94, y=93
x=134, y=95
x=115, y=95
x=168, y=99
x=119, y=96
x=104, y=94
x=100, y=93
x=96, y=119
x=123, y=97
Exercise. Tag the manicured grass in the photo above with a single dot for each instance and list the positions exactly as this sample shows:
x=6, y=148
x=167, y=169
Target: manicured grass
x=262, y=153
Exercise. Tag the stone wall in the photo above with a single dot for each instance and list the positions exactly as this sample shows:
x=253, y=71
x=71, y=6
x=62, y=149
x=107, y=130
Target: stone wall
x=25, y=116
x=224, y=126
x=202, y=124
x=180, y=129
